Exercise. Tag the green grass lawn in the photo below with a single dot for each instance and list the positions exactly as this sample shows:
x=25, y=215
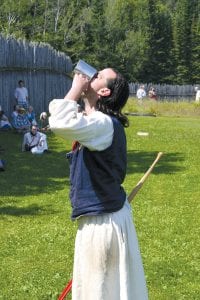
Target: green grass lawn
x=37, y=235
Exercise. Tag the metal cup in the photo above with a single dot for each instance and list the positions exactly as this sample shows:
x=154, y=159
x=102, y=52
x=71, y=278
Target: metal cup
x=85, y=69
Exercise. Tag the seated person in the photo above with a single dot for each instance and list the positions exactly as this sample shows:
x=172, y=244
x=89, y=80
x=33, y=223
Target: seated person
x=20, y=119
x=35, y=141
x=43, y=123
x=2, y=165
x=14, y=113
x=4, y=122
x=31, y=115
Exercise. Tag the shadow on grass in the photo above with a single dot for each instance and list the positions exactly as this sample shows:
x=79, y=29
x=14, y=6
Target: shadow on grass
x=31, y=210
x=139, y=162
x=27, y=174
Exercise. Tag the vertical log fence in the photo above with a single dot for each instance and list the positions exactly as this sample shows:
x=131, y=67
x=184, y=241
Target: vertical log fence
x=167, y=92
x=45, y=71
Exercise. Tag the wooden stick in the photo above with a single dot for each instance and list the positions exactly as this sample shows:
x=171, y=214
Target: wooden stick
x=66, y=290
x=143, y=179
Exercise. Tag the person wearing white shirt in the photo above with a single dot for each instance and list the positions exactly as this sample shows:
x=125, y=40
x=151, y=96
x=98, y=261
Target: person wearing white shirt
x=4, y=122
x=197, y=98
x=35, y=141
x=141, y=93
x=107, y=261
x=21, y=95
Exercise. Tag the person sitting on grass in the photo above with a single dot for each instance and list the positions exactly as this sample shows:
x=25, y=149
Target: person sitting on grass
x=2, y=165
x=20, y=120
x=31, y=115
x=4, y=122
x=35, y=141
x=43, y=122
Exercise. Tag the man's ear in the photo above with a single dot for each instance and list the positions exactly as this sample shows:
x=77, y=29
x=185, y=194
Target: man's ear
x=104, y=92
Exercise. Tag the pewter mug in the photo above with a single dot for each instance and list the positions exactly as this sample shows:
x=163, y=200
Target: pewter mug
x=85, y=69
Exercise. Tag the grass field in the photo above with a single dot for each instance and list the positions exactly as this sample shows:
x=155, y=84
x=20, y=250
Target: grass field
x=37, y=235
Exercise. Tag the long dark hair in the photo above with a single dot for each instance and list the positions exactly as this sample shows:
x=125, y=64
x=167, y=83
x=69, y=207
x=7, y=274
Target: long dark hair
x=113, y=104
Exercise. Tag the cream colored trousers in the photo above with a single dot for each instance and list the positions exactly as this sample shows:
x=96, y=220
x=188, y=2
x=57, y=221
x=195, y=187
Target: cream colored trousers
x=107, y=260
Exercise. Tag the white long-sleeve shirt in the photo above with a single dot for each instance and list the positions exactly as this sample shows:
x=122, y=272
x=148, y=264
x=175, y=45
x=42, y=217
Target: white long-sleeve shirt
x=141, y=93
x=39, y=141
x=21, y=94
x=95, y=131
x=197, y=99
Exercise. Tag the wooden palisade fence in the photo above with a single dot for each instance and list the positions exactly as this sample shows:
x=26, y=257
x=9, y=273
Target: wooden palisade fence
x=167, y=92
x=45, y=71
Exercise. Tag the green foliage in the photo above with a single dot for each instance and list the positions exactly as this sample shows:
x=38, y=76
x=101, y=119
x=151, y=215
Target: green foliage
x=37, y=235
x=127, y=34
x=168, y=205
x=186, y=49
x=168, y=109
x=196, y=43
x=147, y=40
x=159, y=63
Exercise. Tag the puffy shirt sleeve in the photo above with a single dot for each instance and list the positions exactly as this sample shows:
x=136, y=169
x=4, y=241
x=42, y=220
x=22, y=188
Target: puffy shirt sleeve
x=94, y=131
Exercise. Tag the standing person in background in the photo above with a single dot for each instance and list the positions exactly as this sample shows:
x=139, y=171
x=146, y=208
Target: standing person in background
x=197, y=90
x=107, y=261
x=141, y=93
x=152, y=93
x=21, y=95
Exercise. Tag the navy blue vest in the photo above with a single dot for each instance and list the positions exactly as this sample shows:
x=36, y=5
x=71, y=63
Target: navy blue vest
x=96, y=177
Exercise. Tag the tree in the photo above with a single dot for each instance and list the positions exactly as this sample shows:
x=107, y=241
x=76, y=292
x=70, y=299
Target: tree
x=183, y=40
x=195, y=45
x=159, y=64
x=126, y=36
x=148, y=40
